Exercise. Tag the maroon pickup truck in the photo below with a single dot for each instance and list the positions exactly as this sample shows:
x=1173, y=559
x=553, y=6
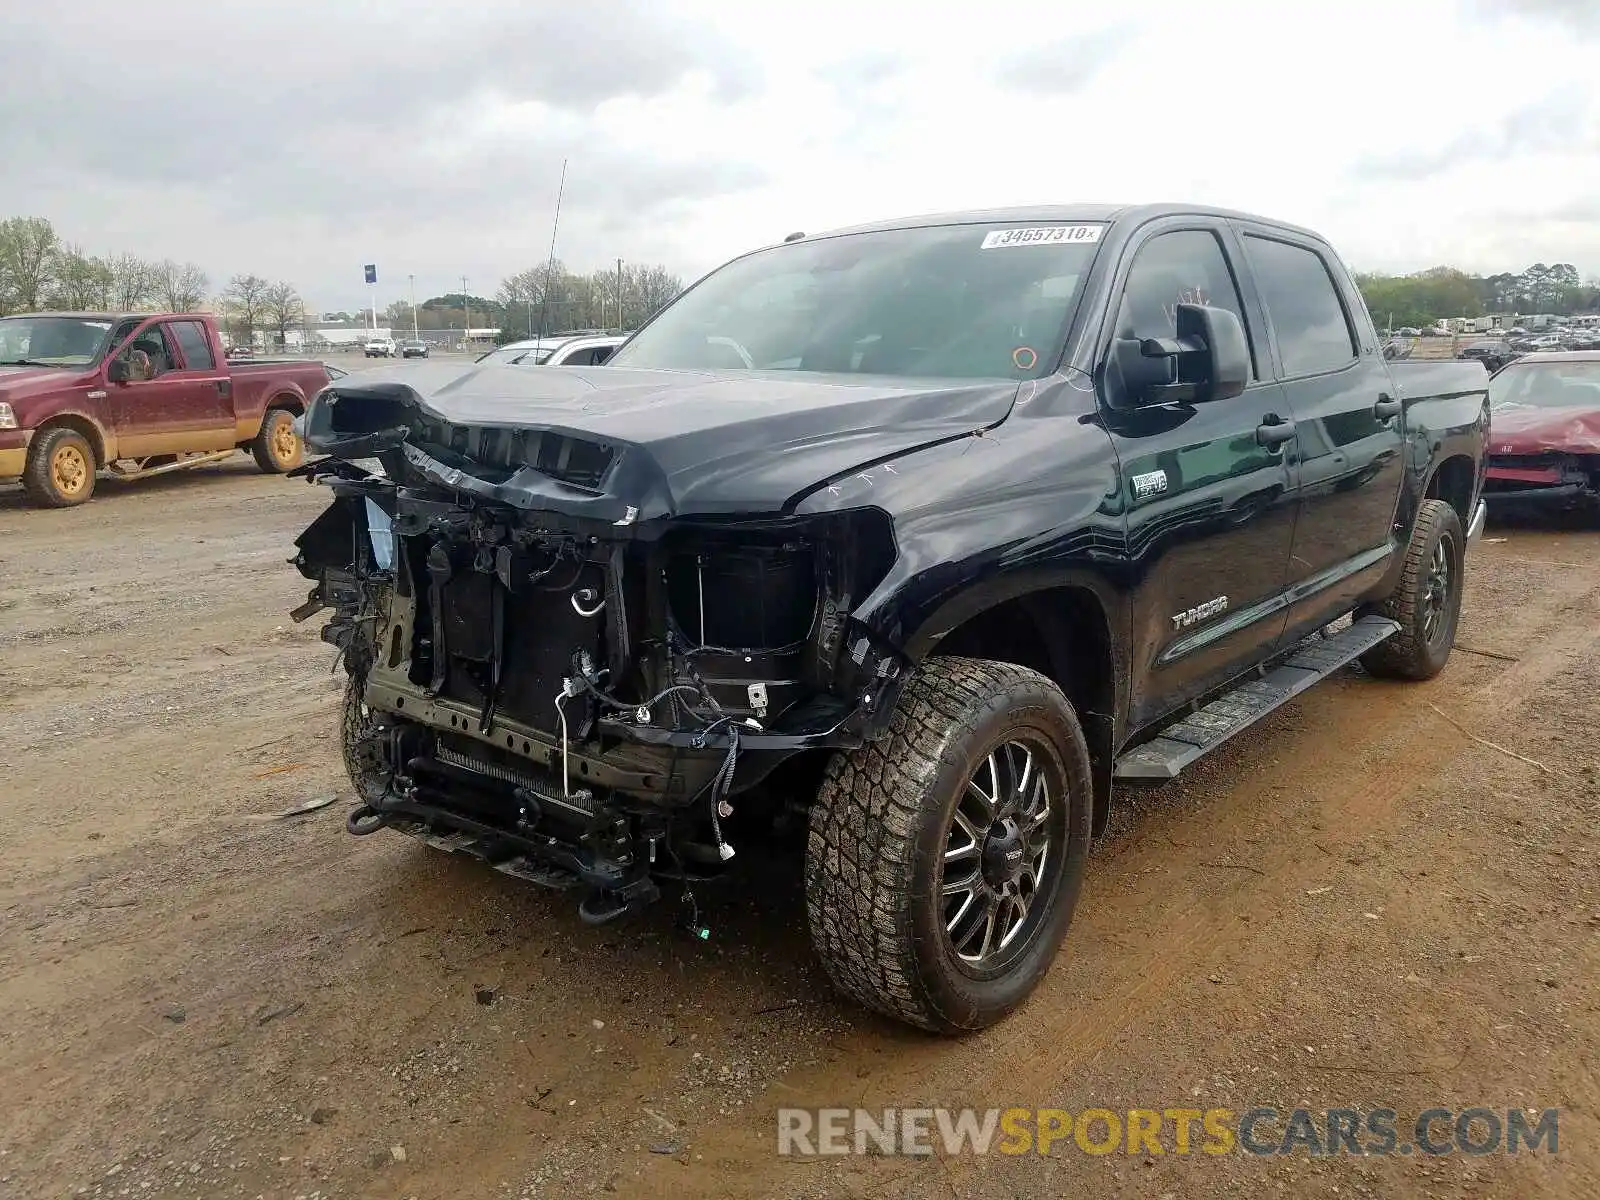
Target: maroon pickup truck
x=136, y=395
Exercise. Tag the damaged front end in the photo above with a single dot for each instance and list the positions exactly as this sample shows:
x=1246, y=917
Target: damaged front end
x=551, y=670
x=1550, y=479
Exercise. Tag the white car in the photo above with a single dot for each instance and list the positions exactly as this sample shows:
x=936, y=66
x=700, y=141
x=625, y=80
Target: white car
x=556, y=351
x=380, y=348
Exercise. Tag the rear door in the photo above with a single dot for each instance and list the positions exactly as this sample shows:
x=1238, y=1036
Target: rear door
x=1207, y=489
x=204, y=388
x=1348, y=418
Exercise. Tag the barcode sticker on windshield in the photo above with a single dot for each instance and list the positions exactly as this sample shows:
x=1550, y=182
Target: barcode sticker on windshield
x=1041, y=235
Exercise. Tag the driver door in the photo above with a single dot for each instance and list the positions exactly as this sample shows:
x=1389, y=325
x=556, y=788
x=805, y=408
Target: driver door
x=1210, y=509
x=176, y=410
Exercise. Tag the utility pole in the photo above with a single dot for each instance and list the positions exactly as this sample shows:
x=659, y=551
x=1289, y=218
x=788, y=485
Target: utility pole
x=466, y=305
x=619, y=295
x=413, y=279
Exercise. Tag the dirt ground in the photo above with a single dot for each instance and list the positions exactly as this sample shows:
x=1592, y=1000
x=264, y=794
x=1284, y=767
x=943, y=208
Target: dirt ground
x=1358, y=904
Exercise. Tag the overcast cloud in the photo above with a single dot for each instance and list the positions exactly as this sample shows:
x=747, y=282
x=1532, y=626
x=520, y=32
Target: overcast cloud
x=300, y=140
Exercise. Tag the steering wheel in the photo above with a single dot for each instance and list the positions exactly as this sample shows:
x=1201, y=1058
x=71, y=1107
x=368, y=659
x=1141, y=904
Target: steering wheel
x=744, y=355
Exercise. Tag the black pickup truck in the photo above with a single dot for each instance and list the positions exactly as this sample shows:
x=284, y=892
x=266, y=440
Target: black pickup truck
x=933, y=531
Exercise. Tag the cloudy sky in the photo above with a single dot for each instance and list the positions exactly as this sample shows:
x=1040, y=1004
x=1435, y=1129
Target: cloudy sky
x=299, y=140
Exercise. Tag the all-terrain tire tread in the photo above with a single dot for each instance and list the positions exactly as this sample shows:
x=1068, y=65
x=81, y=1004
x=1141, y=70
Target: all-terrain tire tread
x=1405, y=655
x=860, y=852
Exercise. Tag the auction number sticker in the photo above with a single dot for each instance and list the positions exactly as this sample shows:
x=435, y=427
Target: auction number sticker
x=1042, y=235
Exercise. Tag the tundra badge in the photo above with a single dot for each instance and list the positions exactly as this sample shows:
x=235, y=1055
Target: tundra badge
x=1192, y=616
x=1151, y=483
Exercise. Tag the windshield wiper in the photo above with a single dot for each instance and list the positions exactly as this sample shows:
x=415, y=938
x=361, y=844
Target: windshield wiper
x=26, y=362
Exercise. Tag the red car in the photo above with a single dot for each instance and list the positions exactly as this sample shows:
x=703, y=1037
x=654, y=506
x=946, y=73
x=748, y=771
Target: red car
x=1544, y=432
x=136, y=395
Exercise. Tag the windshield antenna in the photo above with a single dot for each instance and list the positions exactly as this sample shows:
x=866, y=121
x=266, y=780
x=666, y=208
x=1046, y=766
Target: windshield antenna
x=550, y=267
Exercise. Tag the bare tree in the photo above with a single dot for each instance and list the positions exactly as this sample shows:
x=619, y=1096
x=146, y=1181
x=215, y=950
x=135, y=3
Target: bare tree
x=283, y=307
x=28, y=249
x=80, y=282
x=133, y=282
x=180, y=287
x=246, y=299
x=653, y=289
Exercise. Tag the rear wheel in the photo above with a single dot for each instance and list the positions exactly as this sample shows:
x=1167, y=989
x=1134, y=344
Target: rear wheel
x=277, y=446
x=944, y=860
x=60, y=470
x=1427, y=601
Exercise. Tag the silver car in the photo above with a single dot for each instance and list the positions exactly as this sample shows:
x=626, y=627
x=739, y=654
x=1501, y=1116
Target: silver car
x=583, y=351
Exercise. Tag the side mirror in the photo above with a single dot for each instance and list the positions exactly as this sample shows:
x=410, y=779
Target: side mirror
x=1208, y=359
x=117, y=371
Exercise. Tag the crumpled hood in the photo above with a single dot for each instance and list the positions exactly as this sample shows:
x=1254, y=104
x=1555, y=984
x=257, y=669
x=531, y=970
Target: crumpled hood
x=1530, y=430
x=686, y=441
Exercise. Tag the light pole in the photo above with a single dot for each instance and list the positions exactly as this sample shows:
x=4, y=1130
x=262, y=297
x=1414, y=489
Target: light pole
x=466, y=308
x=413, y=280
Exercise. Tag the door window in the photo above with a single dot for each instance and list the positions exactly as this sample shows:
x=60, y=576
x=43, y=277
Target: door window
x=1313, y=329
x=1183, y=267
x=195, y=345
x=149, y=355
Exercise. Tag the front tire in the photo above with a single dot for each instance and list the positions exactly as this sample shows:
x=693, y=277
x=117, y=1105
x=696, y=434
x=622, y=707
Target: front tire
x=1426, y=603
x=60, y=470
x=944, y=860
x=277, y=447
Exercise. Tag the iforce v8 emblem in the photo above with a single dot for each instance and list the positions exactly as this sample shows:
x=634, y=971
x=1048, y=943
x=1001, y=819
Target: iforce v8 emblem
x=1151, y=483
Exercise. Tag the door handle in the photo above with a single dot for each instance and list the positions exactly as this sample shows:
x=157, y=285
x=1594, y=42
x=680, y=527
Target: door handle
x=1274, y=431
x=225, y=388
x=1386, y=408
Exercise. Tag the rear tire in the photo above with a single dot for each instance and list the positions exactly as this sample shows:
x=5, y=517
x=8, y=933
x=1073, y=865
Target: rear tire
x=277, y=447
x=60, y=470
x=1426, y=603
x=913, y=879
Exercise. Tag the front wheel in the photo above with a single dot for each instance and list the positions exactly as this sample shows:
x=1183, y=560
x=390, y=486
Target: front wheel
x=944, y=860
x=60, y=469
x=276, y=447
x=1426, y=603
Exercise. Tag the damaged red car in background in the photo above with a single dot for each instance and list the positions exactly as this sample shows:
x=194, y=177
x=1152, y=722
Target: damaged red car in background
x=1544, y=444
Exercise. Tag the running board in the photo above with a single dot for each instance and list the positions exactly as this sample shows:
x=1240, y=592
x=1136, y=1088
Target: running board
x=183, y=464
x=1203, y=730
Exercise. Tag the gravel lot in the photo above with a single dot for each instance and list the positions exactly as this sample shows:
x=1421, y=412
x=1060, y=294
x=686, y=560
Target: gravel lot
x=1359, y=904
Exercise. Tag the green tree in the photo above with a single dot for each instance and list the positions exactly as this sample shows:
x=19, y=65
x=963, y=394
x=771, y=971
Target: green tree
x=80, y=282
x=28, y=254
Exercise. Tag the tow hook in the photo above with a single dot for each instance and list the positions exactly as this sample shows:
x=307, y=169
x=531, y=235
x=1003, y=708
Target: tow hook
x=365, y=819
x=604, y=905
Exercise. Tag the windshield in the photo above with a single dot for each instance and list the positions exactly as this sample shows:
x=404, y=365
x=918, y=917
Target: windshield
x=52, y=341
x=1547, y=385
x=962, y=301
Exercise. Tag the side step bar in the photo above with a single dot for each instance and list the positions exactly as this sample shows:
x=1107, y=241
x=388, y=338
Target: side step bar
x=1161, y=759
